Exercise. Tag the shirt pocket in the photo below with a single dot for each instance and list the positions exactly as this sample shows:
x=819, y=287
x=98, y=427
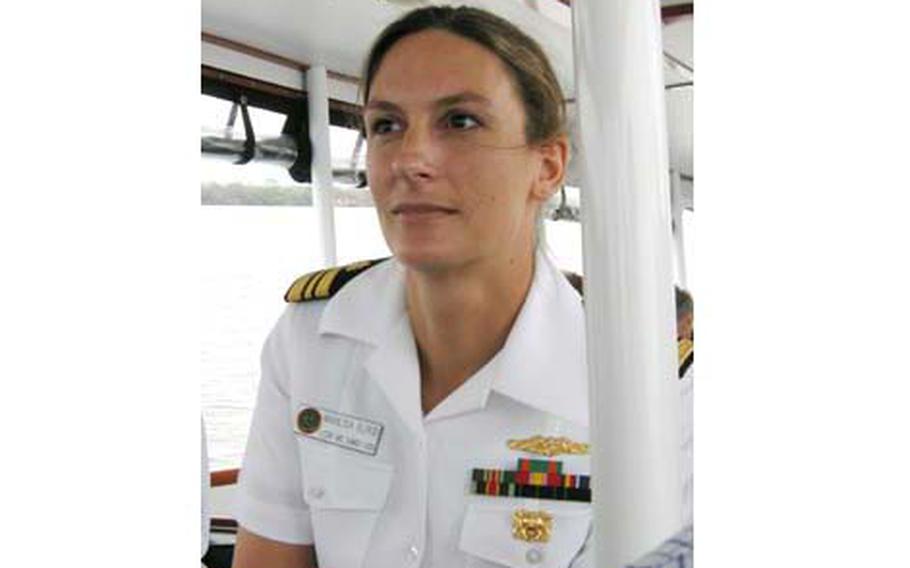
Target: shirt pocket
x=345, y=494
x=486, y=536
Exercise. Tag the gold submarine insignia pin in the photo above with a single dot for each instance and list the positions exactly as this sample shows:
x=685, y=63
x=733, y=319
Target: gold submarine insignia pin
x=549, y=446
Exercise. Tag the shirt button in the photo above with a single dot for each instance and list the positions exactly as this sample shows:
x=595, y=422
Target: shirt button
x=534, y=556
x=316, y=493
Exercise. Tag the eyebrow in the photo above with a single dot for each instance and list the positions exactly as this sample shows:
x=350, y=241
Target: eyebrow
x=466, y=96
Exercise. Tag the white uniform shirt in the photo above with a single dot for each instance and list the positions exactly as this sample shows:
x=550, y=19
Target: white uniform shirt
x=411, y=503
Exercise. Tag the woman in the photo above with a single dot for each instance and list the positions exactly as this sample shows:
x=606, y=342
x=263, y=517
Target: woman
x=384, y=409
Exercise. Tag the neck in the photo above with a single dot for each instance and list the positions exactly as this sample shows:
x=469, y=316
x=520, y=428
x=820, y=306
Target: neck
x=461, y=319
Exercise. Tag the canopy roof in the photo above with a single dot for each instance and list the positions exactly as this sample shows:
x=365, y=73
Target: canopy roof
x=267, y=39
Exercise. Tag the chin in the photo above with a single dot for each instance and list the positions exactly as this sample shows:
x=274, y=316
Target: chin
x=428, y=259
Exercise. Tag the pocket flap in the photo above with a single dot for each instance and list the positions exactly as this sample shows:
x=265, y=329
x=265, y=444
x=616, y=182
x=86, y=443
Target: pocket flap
x=335, y=481
x=487, y=534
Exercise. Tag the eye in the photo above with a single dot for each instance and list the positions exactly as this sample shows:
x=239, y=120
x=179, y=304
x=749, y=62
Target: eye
x=384, y=125
x=461, y=121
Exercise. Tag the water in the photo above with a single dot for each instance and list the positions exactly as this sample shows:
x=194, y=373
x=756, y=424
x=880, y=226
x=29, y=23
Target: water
x=249, y=256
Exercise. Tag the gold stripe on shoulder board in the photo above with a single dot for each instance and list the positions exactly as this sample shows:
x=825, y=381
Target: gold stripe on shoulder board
x=323, y=284
x=685, y=347
x=686, y=355
x=308, y=291
x=296, y=289
x=363, y=264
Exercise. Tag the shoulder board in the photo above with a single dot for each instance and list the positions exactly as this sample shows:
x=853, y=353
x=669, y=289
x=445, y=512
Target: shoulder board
x=323, y=284
x=686, y=355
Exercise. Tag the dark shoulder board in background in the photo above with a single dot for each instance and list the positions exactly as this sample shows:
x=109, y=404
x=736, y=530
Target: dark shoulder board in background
x=323, y=284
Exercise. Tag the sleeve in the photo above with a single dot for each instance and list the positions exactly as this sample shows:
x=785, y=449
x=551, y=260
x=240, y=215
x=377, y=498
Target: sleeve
x=270, y=496
x=585, y=556
x=675, y=552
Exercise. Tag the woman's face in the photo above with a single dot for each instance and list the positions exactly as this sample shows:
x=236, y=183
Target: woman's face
x=452, y=177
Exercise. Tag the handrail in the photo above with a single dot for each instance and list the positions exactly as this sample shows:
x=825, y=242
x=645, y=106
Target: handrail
x=224, y=477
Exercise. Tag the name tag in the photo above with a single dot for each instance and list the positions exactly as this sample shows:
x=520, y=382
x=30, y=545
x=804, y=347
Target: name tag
x=342, y=430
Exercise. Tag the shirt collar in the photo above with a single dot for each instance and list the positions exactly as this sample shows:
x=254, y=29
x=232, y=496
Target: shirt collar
x=542, y=363
x=368, y=306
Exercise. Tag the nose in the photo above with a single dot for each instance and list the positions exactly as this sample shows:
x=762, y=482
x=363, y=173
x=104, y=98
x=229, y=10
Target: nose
x=414, y=159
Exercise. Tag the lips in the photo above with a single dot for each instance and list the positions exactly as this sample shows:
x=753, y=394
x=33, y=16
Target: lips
x=421, y=209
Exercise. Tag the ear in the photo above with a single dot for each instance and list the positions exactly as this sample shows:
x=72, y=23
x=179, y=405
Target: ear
x=554, y=156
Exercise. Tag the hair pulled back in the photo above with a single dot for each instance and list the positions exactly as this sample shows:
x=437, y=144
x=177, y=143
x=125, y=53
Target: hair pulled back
x=525, y=60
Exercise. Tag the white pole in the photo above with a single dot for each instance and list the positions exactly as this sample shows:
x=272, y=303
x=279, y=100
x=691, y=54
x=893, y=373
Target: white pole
x=679, y=237
x=317, y=84
x=634, y=395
